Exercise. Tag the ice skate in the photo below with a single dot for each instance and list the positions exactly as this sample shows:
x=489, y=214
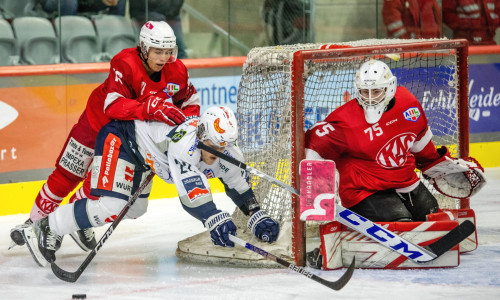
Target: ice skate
x=85, y=238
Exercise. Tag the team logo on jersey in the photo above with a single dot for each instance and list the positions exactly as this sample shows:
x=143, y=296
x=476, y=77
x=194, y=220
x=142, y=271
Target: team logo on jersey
x=412, y=114
x=217, y=126
x=209, y=173
x=195, y=187
x=172, y=89
x=395, y=152
x=178, y=135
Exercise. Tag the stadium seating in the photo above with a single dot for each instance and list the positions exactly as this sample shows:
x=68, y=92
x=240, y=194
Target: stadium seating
x=37, y=40
x=9, y=51
x=115, y=33
x=80, y=43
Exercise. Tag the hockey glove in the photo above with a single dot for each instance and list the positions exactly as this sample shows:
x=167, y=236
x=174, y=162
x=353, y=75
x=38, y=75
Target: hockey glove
x=455, y=177
x=263, y=226
x=221, y=226
x=156, y=108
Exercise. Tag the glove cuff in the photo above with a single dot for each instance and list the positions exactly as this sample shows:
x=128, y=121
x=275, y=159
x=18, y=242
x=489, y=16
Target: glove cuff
x=255, y=218
x=214, y=220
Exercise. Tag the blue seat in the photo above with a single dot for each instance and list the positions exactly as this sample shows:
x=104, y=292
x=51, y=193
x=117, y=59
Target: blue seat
x=79, y=40
x=115, y=33
x=37, y=40
x=9, y=51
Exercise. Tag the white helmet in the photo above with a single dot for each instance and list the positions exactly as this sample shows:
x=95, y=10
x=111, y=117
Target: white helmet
x=219, y=125
x=157, y=34
x=373, y=75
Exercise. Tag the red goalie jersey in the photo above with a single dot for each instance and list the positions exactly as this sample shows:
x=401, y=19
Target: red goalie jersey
x=374, y=157
x=128, y=85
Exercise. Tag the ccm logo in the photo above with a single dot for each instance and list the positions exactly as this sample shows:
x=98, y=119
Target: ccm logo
x=7, y=114
x=380, y=234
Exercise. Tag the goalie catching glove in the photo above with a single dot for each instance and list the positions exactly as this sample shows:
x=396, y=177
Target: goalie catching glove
x=156, y=108
x=455, y=177
x=221, y=226
x=263, y=227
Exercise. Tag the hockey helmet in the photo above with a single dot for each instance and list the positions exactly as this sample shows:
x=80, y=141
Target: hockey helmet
x=218, y=124
x=374, y=75
x=157, y=34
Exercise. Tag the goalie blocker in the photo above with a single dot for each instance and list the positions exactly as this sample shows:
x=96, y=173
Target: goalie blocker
x=339, y=244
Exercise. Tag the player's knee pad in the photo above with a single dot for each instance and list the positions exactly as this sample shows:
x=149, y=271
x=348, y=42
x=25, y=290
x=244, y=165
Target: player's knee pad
x=105, y=209
x=138, y=209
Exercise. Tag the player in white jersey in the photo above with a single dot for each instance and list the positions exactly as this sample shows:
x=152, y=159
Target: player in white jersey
x=126, y=150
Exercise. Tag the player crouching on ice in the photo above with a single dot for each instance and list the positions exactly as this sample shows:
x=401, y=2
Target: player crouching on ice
x=123, y=147
x=377, y=140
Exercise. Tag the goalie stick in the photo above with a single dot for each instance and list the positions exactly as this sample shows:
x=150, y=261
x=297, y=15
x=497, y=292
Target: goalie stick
x=335, y=285
x=73, y=276
x=376, y=232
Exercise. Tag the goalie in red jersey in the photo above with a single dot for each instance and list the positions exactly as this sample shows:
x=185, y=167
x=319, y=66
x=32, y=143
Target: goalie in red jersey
x=144, y=83
x=377, y=140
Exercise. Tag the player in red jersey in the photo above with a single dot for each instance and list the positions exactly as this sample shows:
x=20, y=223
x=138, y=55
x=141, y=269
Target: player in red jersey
x=377, y=140
x=144, y=83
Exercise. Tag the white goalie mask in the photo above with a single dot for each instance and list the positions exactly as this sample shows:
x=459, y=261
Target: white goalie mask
x=218, y=124
x=379, y=86
x=157, y=34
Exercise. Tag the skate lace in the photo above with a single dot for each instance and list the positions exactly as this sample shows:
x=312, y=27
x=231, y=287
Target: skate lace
x=51, y=240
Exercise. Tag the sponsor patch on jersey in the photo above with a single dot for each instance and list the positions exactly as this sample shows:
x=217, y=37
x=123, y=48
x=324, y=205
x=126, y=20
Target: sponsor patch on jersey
x=195, y=187
x=110, y=153
x=171, y=89
x=76, y=158
x=192, y=149
x=178, y=135
x=412, y=114
x=209, y=173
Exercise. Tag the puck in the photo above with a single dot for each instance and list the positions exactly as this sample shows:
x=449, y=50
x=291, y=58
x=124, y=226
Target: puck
x=79, y=296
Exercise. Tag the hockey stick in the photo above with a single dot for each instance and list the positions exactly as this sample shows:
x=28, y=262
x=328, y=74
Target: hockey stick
x=379, y=234
x=73, y=276
x=335, y=285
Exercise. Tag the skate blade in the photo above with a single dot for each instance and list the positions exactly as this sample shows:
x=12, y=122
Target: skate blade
x=12, y=245
x=32, y=243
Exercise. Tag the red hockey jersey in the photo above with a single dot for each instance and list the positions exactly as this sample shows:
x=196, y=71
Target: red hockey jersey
x=128, y=85
x=374, y=157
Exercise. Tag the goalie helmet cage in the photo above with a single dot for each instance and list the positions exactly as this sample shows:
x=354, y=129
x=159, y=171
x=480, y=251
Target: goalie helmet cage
x=284, y=90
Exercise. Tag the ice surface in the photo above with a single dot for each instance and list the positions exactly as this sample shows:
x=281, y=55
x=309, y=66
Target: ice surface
x=139, y=262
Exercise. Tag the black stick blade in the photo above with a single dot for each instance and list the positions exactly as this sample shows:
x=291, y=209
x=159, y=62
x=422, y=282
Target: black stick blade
x=342, y=281
x=454, y=237
x=65, y=275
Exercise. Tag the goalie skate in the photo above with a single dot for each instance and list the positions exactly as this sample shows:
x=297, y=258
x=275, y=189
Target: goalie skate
x=85, y=238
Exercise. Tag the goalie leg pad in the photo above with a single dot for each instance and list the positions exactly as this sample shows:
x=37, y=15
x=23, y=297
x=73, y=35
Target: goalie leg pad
x=339, y=245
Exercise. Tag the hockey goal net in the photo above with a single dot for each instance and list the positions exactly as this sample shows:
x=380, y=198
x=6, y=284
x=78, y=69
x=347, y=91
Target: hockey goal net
x=284, y=90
